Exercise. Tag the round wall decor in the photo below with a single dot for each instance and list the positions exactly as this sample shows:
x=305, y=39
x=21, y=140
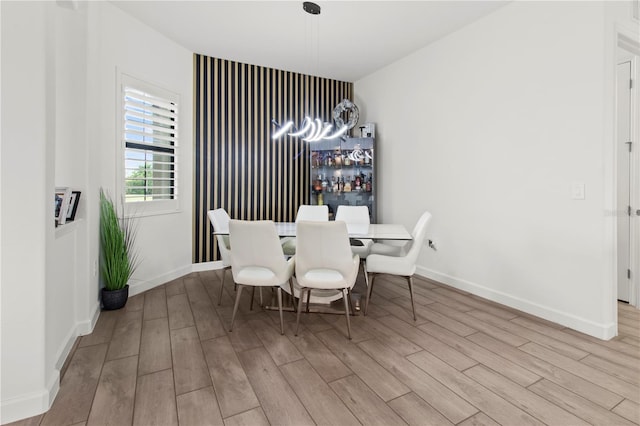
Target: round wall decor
x=353, y=114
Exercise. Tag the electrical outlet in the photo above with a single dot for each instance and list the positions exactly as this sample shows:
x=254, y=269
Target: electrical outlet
x=577, y=191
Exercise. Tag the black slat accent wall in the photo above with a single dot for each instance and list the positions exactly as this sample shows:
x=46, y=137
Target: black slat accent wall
x=237, y=166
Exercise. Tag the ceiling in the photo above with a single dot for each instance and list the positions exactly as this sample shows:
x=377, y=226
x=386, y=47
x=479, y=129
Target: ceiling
x=347, y=41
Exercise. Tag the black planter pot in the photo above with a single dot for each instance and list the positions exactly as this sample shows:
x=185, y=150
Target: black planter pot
x=114, y=299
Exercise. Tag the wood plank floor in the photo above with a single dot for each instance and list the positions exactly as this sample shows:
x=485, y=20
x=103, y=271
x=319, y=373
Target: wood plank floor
x=168, y=359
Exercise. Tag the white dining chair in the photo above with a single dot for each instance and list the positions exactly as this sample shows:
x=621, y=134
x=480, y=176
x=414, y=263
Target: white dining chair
x=257, y=260
x=356, y=215
x=317, y=213
x=219, y=219
x=324, y=262
x=396, y=260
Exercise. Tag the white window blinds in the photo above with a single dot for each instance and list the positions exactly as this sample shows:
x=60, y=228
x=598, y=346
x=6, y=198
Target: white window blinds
x=150, y=146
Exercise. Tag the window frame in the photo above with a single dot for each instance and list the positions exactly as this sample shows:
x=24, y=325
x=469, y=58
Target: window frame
x=146, y=207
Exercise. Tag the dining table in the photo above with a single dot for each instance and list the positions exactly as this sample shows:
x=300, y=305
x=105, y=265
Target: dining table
x=320, y=302
x=372, y=231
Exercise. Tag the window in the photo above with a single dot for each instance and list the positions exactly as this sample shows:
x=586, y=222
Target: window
x=150, y=144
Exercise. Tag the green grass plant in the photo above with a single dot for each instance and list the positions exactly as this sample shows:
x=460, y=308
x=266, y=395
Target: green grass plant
x=118, y=257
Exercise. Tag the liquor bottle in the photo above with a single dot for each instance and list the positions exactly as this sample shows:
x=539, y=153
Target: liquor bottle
x=347, y=160
x=337, y=159
x=341, y=184
x=323, y=184
x=317, y=184
x=334, y=184
x=367, y=160
x=369, y=183
x=358, y=182
x=347, y=184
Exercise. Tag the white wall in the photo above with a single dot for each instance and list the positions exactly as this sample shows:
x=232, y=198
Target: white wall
x=25, y=200
x=488, y=129
x=59, y=123
x=122, y=44
x=69, y=310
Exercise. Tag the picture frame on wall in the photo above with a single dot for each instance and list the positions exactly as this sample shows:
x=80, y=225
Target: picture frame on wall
x=61, y=203
x=74, y=200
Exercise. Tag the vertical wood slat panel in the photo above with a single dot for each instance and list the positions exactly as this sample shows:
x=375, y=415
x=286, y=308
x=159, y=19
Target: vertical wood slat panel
x=237, y=166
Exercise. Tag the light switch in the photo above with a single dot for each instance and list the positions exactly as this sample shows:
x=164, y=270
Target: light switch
x=577, y=191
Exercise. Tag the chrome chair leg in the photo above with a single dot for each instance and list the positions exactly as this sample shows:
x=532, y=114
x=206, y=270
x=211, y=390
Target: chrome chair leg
x=293, y=297
x=413, y=306
x=345, y=295
x=300, y=302
x=369, y=288
x=253, y=293
x=235, y=306
x=224, y=273
x=351, y=310
x=279, y=291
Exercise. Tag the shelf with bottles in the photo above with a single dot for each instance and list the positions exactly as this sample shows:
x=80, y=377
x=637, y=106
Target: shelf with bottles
x=342, y=172
x=341, y=182
x=340, y=159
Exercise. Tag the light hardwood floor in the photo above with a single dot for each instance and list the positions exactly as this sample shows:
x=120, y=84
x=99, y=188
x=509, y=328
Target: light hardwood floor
x=167, y=359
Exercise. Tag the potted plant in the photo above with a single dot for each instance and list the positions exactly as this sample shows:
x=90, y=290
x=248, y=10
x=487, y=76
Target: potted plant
x=118, y=258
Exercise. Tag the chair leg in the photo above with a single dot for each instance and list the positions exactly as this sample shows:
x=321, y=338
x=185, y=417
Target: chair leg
x=369, y=288
x=224, y=272
x=413, y=306
x=351, y=310
x=308, y=299
x=235, y=306
x=345, y=295
x=300, y=302
x=293, y=297
x=279, y=290
x=253, y=293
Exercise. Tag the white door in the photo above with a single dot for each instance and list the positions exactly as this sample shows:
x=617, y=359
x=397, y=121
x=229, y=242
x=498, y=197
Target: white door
x=624, y=174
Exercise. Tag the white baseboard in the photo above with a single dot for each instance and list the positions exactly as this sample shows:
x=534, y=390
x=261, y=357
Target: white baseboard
x=136, y=287
x=53, y=386
x=86, y=327
x=207, y=266
x=601, y=331
x=24, y=406
x=31, y=404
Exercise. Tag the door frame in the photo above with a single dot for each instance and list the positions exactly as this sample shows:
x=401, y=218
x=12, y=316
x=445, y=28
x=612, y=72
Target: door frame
x=627, y=49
